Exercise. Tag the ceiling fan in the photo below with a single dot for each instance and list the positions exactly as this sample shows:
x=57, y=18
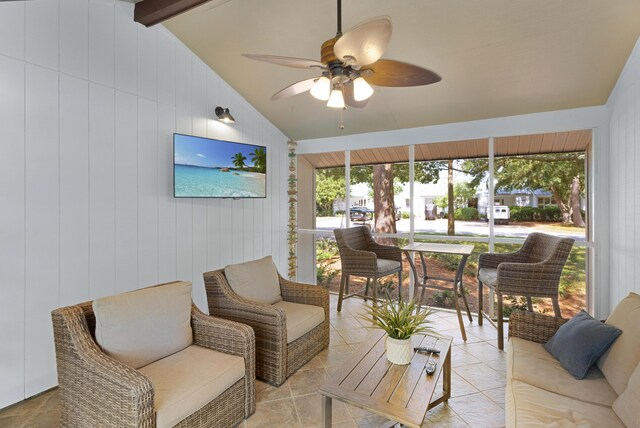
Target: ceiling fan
x=350, y=63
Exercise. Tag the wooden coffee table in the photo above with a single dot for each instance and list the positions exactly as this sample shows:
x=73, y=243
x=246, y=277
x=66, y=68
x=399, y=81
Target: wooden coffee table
x=399, y=393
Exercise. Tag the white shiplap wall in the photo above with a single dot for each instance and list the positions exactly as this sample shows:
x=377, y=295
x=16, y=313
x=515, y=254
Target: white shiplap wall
x=88, y=104
x=624, y=189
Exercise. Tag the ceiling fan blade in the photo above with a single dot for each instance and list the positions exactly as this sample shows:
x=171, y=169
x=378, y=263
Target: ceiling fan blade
x=295, y=89
x=286, y=61
x=365, y=42
x=347, y=93
x=387, y=72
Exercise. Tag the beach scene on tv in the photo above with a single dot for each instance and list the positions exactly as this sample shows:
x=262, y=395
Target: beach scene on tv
x=218, y=169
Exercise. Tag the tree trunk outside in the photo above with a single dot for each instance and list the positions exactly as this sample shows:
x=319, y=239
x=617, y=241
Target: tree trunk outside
x=451, y=224
x=564, y=208
x=383, y=206
x=574, y=200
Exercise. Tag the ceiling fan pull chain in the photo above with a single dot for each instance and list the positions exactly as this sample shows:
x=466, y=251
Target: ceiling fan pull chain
x=342, y=116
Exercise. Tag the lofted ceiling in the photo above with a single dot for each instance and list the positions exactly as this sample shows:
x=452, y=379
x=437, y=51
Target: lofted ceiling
x=496, y=57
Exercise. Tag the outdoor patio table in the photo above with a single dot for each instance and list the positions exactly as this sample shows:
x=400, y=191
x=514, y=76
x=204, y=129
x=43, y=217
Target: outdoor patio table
x=464, y=251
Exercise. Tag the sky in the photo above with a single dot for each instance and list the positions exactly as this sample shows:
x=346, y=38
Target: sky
x=198, y=151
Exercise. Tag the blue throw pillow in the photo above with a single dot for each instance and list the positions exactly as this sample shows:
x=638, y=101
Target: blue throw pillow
x=580, y=342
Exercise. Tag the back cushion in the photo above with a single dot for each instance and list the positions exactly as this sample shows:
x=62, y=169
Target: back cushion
x=256, y=280
x=621, y=359
x=626, y=406
x=143, y=326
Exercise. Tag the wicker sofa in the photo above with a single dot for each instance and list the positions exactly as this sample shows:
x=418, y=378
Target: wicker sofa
x=277, y=356
x=540, y=392
x=98, y=390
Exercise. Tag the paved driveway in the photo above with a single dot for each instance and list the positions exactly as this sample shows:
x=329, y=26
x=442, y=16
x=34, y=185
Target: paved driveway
x=478, y=228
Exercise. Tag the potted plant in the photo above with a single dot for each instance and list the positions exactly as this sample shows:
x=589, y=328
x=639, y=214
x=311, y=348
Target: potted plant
x=400, y=321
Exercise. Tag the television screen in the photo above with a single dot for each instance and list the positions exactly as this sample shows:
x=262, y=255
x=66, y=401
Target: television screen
x=207, y=168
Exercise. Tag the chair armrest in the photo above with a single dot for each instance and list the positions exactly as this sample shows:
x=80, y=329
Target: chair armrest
x=358, y=262
x=306, y=294
x=96, y=389
x=492, y=260
x=533, y=326
x=532, y=279
x=387, y=252
x=228, y=337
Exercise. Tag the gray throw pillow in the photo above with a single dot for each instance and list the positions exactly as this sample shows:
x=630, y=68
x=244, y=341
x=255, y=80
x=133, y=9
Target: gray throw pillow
x=580, y=342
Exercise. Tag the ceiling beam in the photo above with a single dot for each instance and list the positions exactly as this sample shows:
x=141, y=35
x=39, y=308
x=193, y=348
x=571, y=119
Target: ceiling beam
x=151, y=12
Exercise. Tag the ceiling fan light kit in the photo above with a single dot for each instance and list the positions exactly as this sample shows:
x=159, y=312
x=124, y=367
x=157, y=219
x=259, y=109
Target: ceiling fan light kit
x=321, y=89
x=336, y=100
x=350, y=64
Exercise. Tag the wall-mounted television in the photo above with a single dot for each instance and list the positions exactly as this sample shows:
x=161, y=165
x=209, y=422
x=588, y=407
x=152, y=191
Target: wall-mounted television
x=209, y=168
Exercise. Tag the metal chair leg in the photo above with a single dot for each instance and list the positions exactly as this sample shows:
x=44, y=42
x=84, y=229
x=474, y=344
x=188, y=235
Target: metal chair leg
x=500, y=322
x=529, y=303
x=556, y=306
x=400, y=286
x=343, y=277
x=366, y=289
x=480, y=297
x=374, y=284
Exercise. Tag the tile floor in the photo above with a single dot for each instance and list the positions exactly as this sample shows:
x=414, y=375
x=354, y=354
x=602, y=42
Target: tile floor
x=478, y=382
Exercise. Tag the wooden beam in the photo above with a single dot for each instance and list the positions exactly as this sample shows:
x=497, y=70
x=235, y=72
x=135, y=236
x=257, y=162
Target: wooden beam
x=151, y=12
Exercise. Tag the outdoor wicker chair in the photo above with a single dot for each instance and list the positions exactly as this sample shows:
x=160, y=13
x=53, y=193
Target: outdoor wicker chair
x=532, y=271
x=361, y=256
x=277, y=356
x=98, y=390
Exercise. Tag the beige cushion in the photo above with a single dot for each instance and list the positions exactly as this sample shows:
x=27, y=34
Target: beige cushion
x=626, y=406
x=256, y=280
x=528, y=406
x=301, y=319
x=529, y=362
x=623, y=356
x=142, y=326
x=184, y=382
x=385, y=265
x=488, y=276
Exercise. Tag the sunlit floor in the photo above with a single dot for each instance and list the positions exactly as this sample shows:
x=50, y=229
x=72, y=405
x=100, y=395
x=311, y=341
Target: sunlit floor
x=477, y=391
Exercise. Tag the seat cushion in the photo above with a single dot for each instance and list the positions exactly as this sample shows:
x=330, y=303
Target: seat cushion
x=623, y=356
x=579, y=343
x=626, y=406
x=488, y=276
x=256, y=280
x=529, y=362
x=185, y=381
x=385, y=265
x=301, y=319
x=143, y=326
x=528, y=406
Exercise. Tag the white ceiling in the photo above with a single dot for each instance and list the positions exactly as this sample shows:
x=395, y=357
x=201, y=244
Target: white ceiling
x=496, y=57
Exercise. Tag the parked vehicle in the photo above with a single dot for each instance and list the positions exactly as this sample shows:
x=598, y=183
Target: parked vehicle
x=501, y=214
x=398, y=215
x=430, y=212
x=360, y=214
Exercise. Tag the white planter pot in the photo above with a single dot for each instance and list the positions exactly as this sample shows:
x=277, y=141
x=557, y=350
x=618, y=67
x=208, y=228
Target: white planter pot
x=399, y=351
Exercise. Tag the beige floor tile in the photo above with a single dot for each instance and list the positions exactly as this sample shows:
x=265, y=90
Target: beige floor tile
x=266, y=392
x=309, y=409
x=315, y=363
x=496, y=395
x=307, y=382
x=460, y=387
x=442, y=416
x=372, y=421
x=461, y=358
x=478, y=410
x=279, y=413
x=355, y=336
x=481, y=376
x=345, y=323
x=335, y=355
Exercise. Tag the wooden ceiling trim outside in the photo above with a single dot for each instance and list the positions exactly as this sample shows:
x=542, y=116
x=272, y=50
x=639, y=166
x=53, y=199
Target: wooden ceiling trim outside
x=557, y=142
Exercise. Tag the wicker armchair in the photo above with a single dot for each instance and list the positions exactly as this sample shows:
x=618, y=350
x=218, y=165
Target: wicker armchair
x=276, y=359
x=532, y=271
x=534, y=327
x=360, y=255
x=97, y=390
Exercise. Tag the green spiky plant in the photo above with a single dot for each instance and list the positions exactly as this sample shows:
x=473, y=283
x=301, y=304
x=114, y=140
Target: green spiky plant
x=400, y=320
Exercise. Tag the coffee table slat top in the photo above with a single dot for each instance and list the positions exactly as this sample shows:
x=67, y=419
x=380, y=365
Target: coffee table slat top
x=400, y=393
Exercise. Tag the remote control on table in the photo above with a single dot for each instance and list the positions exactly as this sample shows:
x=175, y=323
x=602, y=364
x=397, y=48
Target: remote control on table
x=427, y=349
x=430, y=368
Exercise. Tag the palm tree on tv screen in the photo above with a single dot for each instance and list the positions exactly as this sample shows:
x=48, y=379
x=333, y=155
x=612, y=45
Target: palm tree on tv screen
x=259, y=159
x=238, y=160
